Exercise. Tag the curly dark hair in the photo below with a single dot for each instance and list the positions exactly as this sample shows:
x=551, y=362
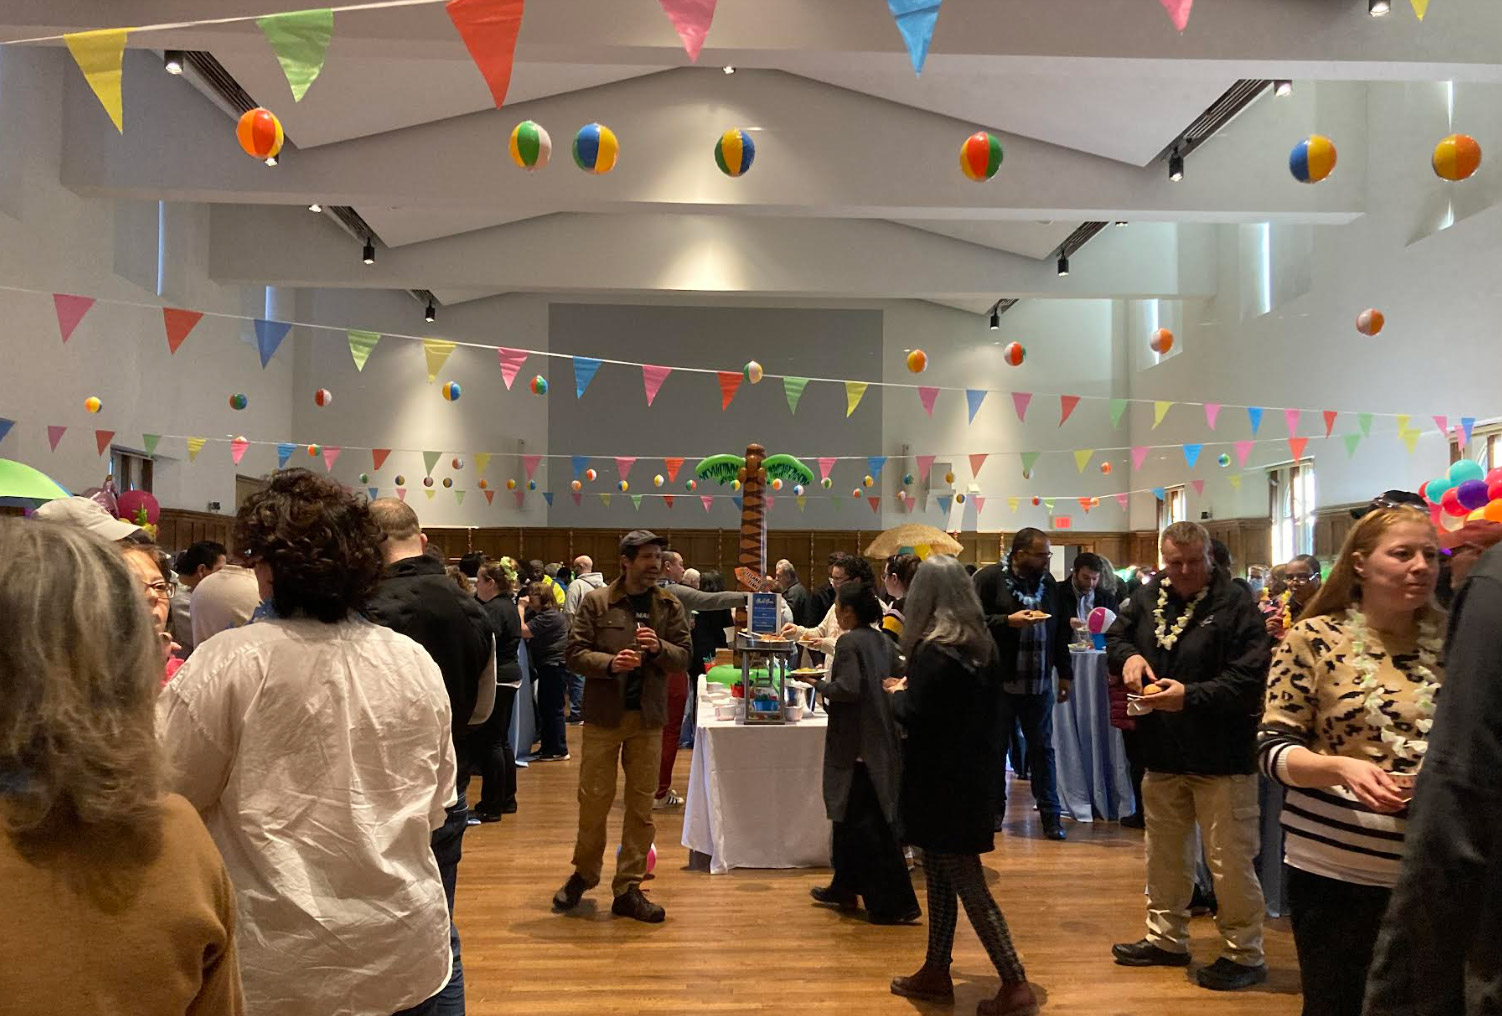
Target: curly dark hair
x=320, y=540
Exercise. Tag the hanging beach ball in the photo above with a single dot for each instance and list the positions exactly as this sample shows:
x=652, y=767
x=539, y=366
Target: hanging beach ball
x=1105, y=468
x=92, y=404
x=531, y=484
x=776, y=483
x=452, y=391
x=1456, y=157
x=591, y=475
x=752, y=371
x=623, y=486
x=856, y=492
x=1013, y=354
x=867, y=480
x=691, y=485
x=401, y=481
x=314, y=451
x=595, y=148
x=238, y=402
x=484, y=484
x=907, y=479
x=364, y=477
x=826, y=483
x=658, y=480
x=734, y=152
x=1312, y=159
x=448, y=481
x=798, y=489
x=531, y=148
x=1223, y=460
x=902, y=495
x=959, y=499
x=539, y=385
x=260, y=133
x=576, y=486
x=1037, y=501
x=917, y=361
x=1161, y=342
x=322, y=397
x=427, y=481
x=511, y=484
x=456, y=462
x=735, y=485
x=1370, y=322
x=948, y=477
x=980, y=156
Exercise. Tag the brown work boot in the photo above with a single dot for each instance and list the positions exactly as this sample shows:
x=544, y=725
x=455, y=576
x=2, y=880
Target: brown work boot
x=930, y=984
x=633, y=904
x=572, y=892
x=1015, y=998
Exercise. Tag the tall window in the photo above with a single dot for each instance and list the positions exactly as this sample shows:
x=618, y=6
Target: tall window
x=1291, y=489
x=1173, y=508
x=132, y=471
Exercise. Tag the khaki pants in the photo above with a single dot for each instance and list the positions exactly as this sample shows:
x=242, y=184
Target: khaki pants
x=638, y=749
x=1227, y=811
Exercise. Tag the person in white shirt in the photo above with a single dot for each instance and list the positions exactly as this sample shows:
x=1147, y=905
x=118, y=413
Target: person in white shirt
x=223, y=600
x=823, y=636
x=318, y=748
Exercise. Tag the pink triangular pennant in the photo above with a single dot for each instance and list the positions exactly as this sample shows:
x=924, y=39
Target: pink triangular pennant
x=707, y=501
x=330, y=456
x=671, y=467
x=1139, y=456
x=1020, y=401
x=54, y=435
x=911, y=503
x=1212, y=413
x=237, y=449
x=769, y=500
x=623, y=464
x=511, y=364
x=976, y=461
x=70, y=311
x=1292, y=418
x=1443, y=422
x=378, y=457
x=1296, y=445
x=730, y=383
x=825, y=465
x=652, y=378
x=178, y=324
x=925, y=466
x=1067, y=403
x=1330, y=416
x=1178, y=10
x=1123, y=500
x=980, y=503
x=401, y=493
x=104, y=437
x=927, y=396
x=1243, y=449
x=691, y=19
x=1198, y=485
x=530, y=464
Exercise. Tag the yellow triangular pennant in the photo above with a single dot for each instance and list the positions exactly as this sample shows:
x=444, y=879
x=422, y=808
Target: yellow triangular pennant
x=1403, y=420
x=1160, y=410
x=1411, y=439
x=802, y=501
x=854, y=392
x=99, y=55
x=437, y=351
x=195, y=445
x=1082, y=457
x=1235, y=481
x=430, y=492
x=1421, y=7
x=1013, y=502
x=482, y=459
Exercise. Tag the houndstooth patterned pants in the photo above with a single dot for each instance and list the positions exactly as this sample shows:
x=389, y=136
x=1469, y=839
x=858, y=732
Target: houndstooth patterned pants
x=961, y=875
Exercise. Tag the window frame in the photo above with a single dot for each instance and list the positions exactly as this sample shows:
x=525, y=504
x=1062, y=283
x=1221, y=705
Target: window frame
x=1293, y=506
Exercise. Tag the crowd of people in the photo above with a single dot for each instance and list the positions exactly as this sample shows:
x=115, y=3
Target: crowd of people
x=252, y=770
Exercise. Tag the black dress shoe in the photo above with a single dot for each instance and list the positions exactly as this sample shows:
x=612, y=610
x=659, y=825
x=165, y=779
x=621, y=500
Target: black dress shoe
x=485, y=817
x=910, y=917
x=830, y=896
x=1228, y=975
x=1053, y=829
x=1134, y=821
x=1144, y=954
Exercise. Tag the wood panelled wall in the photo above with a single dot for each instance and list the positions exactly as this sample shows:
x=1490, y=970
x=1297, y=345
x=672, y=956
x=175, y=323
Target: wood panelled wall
x=1249, y=540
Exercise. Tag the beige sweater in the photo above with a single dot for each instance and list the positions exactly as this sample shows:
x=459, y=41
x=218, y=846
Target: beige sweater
x=90, y=929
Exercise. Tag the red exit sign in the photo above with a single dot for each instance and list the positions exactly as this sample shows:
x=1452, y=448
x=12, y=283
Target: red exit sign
x=1063, y=522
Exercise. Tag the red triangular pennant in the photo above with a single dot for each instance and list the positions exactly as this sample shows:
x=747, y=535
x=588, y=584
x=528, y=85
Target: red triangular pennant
x=489, y=29
x=1330, y=416
x=875, y=505
x=976, y=461
x=490, y=496
x=55, y=434
x=1296, y=445
x=672, y=466
x=104, y=437
x=70, y=311
x=179, y=323
x=378, y=456
x=730, y=383
x=1066, y=407
x=668, y=499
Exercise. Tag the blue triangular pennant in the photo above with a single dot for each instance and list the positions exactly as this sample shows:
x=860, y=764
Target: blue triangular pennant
x=584, y=373
x=1254, y=414
x=373, y=492
x=1159, y=493
x=5, y=426
x=945, y=502
x=874, y=464
x=269, y=335
x=580, y=461
x=973, y=398
x=283, y=453
x=739, y=504
x=547, y=496
x=915, y=20
x=1467, y=423
x=1192, y=453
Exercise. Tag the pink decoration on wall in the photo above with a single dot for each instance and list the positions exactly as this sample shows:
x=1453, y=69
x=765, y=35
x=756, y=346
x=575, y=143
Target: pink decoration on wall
x=1292, y=418
x=928, y=396
x=691, y=19
x=237, y=449
x=1243, y=449
x=54, y=435
x=1198, y=485
x=925, y=465
x=623, y=463
x=1179, y=11
x=1123, y=500
x=825, y=465
x=707, y=501
x=1020, y=401
x=70, y=311
x=511, y=364
x=530, y=464
x=330, y=456
x=976, y=461
x=1139, y=456
x=1212, y=413
x=652, y=377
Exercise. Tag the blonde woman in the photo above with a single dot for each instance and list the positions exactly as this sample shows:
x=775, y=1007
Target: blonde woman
x=1350, y=702
x=97, y=862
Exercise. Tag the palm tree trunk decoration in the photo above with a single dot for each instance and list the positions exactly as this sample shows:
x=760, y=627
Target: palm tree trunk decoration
x=751, y=473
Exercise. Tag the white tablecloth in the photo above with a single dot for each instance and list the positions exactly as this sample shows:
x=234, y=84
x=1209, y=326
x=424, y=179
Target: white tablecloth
x=755, y=794
x=1094, y=777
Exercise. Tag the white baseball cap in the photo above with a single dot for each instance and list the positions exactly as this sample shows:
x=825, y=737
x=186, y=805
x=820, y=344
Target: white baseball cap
x=86, y=514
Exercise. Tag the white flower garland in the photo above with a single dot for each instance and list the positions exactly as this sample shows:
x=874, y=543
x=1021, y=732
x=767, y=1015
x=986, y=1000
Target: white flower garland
x=1377, y=695
x=1166, y=636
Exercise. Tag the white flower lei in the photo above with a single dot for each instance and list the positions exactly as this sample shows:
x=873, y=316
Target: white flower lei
x=1429, y=644
x=1166, y=637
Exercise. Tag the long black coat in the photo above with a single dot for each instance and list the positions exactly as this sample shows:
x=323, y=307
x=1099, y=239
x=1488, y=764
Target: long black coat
x=860, y=721
x=949, y=765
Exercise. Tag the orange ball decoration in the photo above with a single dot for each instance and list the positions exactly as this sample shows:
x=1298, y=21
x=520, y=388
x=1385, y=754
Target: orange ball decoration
x=1161, y=342
x=260, y=133
x=1105, y=468
x=917, y=361
x=1456, y=158
x=1370, y=322
x=1014, y=354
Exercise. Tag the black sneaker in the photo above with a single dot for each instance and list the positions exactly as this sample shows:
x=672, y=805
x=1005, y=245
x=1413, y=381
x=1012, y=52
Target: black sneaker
x=830, y=896
x=1144, y=954
x=572, y=892
x=911, y=917
x=1053, y=828
x=1228, y=975
x=634, y=905
x=1134, y=821
x=478, y=817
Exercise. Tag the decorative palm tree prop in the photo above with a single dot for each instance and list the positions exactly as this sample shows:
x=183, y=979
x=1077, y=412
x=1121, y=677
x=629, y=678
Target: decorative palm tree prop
x=753, y=471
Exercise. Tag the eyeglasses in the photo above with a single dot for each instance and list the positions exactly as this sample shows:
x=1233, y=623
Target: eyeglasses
x=1298, y=580
x=160, y=590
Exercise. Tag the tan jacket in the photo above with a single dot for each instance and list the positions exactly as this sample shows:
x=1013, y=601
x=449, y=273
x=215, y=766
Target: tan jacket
x=604, y=625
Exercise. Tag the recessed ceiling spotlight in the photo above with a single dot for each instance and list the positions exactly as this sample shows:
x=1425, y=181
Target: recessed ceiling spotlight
x=1378, y=8
x=729, y=69
x=1121, y=225
x=1282, y=89
x=172, y=61
x=315, y=207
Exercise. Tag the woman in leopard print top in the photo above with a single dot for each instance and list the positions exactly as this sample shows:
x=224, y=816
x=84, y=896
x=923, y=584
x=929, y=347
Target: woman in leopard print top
x=1350, y=699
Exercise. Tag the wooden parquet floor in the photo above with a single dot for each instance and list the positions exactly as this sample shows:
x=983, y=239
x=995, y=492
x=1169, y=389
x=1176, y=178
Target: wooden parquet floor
x=752, y=941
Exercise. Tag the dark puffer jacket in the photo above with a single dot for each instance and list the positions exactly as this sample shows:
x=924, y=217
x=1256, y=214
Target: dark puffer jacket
x=417, y=599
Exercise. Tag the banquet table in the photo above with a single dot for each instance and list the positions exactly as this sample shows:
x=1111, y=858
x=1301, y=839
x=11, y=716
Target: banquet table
x=755, y=794
x=1094, y=778
x=523, y=716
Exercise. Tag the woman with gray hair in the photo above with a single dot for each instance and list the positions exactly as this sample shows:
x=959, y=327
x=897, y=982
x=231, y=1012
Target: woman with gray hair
x=948, y=703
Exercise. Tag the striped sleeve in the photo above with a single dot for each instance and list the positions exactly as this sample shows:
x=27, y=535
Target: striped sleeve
x=1289, y=717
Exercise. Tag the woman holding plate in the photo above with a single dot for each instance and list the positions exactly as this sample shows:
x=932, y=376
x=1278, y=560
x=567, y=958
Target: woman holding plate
x=1350, y=702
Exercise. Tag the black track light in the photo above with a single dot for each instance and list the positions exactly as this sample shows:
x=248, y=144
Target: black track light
x=1378, y=8
x=1282, y=89
x=172, y=61
x=1176, y=167
x=431, y=314
x=1063, y=266
x=1121, y=225
x=995, y=318
x=369, y=252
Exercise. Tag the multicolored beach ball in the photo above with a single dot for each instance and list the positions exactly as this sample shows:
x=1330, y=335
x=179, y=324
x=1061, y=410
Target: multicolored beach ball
x=531, y=148
x=452, y=391
x=538, y=385
x=260, y=133
x=734, y=152
x=1312, y=159
x=980, y=156
x=1457, y=157
x=238, y=401
x=1014, y=353
x=596, y=149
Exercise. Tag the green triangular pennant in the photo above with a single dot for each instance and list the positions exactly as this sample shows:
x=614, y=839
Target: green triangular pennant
x=1028, y=458
x=1352, y=440
x=459, y=496
x=150, y=440
x=1365, y=421
x=1118, y=407
x=301, y=40
x=361, y=345
x=636, y=500
x=793, y=388
x=430, y=459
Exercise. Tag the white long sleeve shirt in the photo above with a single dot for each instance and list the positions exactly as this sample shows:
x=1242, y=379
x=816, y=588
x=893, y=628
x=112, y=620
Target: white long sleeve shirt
x=321, y=758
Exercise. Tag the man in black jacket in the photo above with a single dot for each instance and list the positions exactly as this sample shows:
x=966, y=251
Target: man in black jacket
x=1437, y=954
x=416, y=598
x=1020, y=598
x=1082, y=593
x=1193, y=645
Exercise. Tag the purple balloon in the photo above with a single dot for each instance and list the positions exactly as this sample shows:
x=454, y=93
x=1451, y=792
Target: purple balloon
x=1472, y=494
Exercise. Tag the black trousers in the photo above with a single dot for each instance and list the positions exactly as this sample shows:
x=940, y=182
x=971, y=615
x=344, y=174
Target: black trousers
x=1034, y=713
x=1335, y=928
x=491, y=756
x=552, y=694
x=867, y=858
x=1131, y=742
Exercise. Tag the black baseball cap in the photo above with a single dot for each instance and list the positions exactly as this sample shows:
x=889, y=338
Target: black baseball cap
x=640, y=538
x=1389, y=499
